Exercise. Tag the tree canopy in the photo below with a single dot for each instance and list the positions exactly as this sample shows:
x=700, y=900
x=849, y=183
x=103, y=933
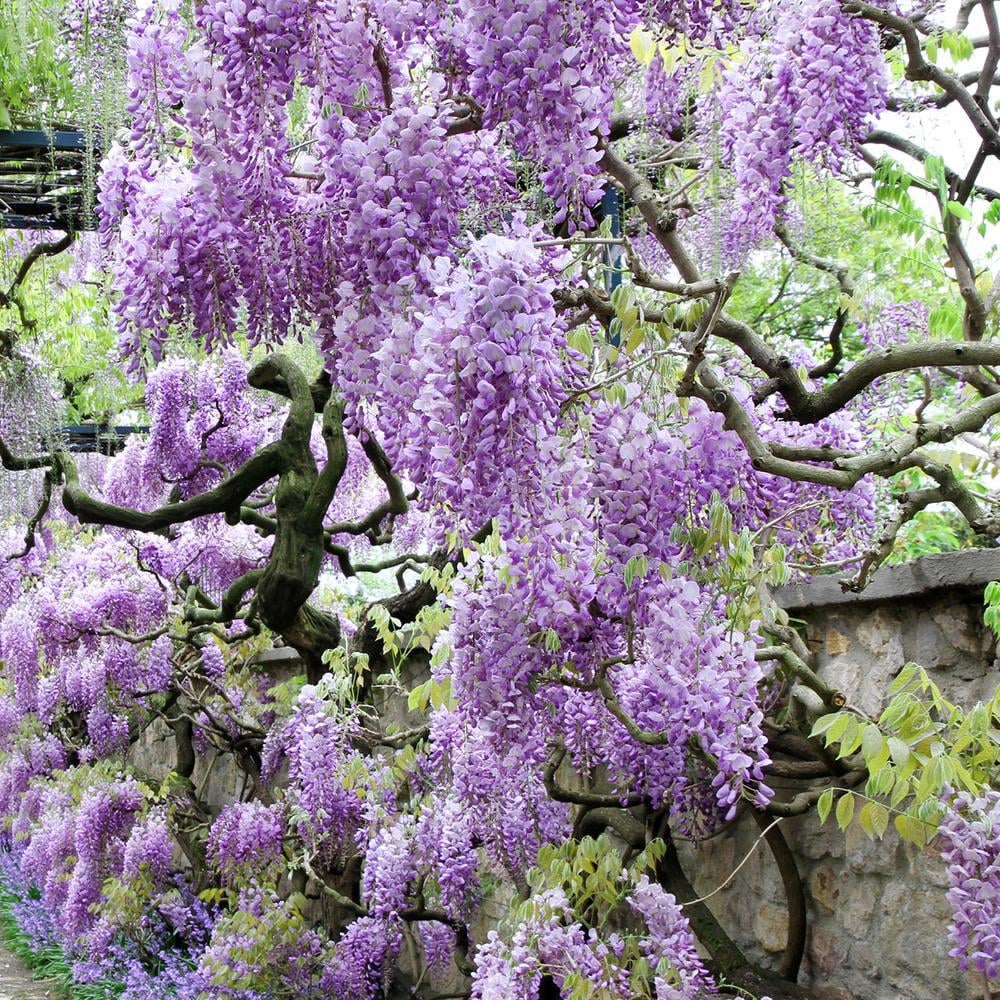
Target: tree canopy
x=499, y=359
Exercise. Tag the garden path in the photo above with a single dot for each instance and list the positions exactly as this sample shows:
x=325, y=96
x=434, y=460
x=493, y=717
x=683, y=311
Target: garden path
x=16, y=982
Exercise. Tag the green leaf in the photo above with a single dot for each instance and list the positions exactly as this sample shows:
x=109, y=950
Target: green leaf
x=823, y=805
x=643, y=45
x=881, y=781
x=845, y=810
x=899, y=750
x=874, y=818
x=825, y=723
x=911, y=829
x=636, y=569
x=959, y=210
x=903, y=678
x=416, y=700
x=580, y=339
x=851, y=738
x=899, y=793
x=441, y=692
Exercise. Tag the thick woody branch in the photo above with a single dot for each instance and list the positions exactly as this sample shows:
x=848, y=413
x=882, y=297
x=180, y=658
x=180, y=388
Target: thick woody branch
x=971, y=419
x=661, y=221
x=839, y=271
x=974, y=318
x=842, y=276
x=594, y=821
x=830, y=366
x=711, y=391
x=649, y=737
x=18, y=463
x=987, y=75
x=965, y=9
x=299, y=422
x=227, y=496
x=921, y=102
x=800, y=804
x=949, y=489
x=271, y=380
x=766, y=359
x=798, y=668
x=968, y=183
x=229, y=606
x=809, y=453
x=798, y=769
x=726, y=957
x=952, y=491
x=810, y=407
x=595, y=302
x=795, y=897
x=396, y=504
x=794, y=743
x=910, y=504
x=329, y=478
x=582, y=797
x=849, y=470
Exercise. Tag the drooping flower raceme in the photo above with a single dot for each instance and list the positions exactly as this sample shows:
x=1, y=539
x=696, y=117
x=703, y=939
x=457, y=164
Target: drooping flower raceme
x=246, y=838
x=481, y=384
x=971, y=834
x=806, y=91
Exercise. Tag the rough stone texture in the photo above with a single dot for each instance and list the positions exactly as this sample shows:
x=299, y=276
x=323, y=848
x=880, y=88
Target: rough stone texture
x=877, y=911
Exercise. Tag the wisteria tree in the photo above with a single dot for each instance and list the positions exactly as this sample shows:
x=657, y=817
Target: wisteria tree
x=498, y=359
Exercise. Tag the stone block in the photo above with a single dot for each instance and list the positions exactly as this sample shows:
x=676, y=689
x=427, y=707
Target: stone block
x=880, y=634
x=866, y=856
x=960, y=626
x=771, y=928
x=822, y=953
x=815, y=842
x=836, y=642
x=824, y=887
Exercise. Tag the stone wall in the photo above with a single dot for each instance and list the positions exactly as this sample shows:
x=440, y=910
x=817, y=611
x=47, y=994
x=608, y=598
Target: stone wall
x=216, y=777
x=877, y=911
